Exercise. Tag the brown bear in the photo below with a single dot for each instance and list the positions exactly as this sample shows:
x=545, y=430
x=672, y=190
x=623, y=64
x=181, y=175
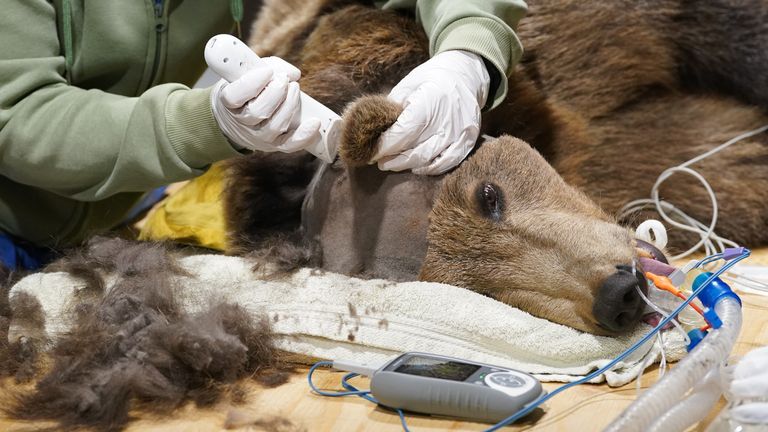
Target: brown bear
x=607, y=96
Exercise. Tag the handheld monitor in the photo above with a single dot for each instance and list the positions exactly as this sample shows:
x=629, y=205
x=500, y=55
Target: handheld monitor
x=438, y=385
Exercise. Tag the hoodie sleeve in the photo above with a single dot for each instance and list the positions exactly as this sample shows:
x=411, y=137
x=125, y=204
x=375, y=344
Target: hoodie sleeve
x=484, y=27
x=88, y=144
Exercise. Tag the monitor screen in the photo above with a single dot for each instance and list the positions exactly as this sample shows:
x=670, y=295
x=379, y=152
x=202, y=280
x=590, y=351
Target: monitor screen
x=437, y=368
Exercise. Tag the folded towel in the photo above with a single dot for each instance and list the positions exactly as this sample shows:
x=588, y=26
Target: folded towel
x=331, y=316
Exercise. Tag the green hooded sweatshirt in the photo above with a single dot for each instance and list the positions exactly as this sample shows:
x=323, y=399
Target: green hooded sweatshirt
x=95, y=107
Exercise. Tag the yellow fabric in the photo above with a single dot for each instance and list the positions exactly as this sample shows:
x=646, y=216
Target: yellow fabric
x=194, y=214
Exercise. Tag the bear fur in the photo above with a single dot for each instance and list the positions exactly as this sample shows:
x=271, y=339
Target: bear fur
x=608, y=93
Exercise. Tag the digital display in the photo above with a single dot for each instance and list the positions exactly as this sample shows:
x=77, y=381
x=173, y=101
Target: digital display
x=436, y=368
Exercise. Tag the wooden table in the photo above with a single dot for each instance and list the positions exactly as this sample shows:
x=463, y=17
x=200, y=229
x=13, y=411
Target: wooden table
x=582, y=408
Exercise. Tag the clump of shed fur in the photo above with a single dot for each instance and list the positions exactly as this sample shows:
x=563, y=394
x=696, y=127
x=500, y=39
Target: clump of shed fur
x=134, y=347
x=19, y=353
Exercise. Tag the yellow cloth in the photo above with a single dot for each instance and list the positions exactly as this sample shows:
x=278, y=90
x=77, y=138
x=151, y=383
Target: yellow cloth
x=194, y=214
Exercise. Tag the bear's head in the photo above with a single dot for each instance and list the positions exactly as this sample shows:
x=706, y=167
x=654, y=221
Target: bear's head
x=503, y=223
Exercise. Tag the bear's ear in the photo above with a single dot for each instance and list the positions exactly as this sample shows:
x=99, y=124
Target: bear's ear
x=364, y=121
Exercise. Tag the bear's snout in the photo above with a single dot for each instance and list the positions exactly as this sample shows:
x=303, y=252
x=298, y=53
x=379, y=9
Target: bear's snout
x=618, y=305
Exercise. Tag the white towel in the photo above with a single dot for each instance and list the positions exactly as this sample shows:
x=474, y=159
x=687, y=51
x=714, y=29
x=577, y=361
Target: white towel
x=331, y=316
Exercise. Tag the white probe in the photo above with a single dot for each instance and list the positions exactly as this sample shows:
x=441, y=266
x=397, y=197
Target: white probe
x=230, y=58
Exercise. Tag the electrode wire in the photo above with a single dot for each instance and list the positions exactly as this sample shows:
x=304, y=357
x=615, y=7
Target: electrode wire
x=708, y=238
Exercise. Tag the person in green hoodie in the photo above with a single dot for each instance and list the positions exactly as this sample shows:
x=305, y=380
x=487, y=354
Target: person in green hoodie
x=96, y=109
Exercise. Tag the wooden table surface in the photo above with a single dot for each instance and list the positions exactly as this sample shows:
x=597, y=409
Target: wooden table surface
x=292, y=407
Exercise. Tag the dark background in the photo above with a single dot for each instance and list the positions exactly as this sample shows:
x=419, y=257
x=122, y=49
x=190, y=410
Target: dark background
x=250, y=10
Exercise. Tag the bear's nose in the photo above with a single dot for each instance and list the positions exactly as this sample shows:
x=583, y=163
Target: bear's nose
x=618, y=305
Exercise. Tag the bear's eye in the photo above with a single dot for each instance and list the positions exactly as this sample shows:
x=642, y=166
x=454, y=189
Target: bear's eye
x=491, y=201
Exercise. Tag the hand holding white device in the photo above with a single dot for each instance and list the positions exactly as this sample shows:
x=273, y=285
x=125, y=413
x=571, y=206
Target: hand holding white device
x=231, y=59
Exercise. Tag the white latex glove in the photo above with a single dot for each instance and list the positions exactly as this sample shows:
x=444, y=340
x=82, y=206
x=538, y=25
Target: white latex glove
x=262, y=109
x=750, y=382
x=440, y=123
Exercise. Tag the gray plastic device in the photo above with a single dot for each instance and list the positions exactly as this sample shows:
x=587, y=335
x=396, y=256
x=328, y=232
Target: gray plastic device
x=438, y=385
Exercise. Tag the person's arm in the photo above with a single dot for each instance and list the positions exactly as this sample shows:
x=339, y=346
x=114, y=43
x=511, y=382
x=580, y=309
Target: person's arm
x=484, y=27
x=88, y=144
x=472, y=50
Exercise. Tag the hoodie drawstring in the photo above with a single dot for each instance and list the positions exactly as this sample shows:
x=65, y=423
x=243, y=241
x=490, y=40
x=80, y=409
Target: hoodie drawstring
x=66, y=22
x=236, y=8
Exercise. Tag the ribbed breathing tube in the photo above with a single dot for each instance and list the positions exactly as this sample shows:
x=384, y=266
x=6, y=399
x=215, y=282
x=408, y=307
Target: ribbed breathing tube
x=665, y=407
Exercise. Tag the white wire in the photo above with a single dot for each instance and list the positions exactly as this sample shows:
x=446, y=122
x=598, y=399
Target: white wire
x=665, y=314
x=745, y=287
x=648, y=362
x=711, y=242
x=710, y=247
x=753, y=282
x=663, y=362
x=746, y=281
x=725, y=145
x=660, y=339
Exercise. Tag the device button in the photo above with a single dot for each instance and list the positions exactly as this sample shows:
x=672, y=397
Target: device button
x=508, y=382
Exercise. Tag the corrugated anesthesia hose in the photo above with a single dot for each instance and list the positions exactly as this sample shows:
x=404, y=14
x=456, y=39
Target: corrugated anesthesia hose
x=651, y=406
x=693, y=408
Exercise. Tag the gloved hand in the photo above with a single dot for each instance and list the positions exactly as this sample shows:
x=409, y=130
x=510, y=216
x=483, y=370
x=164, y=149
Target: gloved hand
x=261, y=110
x=440, y=123
x=750, y=385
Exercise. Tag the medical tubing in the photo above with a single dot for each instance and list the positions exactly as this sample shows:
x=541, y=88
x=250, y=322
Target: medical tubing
x=664, y=314
x=693, y=408
x=709, y=354
x=330, y=394
x=706, y=232
x=530, y=407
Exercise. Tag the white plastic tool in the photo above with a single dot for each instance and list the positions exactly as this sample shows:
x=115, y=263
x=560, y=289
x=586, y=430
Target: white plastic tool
x=230, y=58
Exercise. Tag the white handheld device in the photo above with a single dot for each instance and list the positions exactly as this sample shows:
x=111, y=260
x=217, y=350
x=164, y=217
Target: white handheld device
x=230, y=58
x=439, y=385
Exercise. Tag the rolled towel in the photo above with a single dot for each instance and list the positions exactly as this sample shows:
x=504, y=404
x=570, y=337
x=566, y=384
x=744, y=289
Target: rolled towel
x=331, y=316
